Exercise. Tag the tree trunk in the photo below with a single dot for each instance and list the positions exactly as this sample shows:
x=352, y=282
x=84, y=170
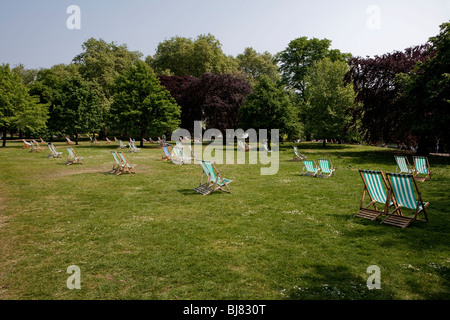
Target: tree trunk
x=423, y=146
x=324, y=143
x=76, y=138
x=4, y=137
x=142, y=139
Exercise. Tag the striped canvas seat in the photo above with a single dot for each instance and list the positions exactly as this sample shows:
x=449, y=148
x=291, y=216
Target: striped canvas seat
x=403, y=165
x=422, y=167
x=404, y=189
x=297, y=155
x=374, y=185
x=73, y=157
x=214, y=180
x=326, y=168
x=309, y=168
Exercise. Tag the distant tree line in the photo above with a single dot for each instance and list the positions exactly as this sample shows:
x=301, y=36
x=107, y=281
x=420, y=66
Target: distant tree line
x=308, y=90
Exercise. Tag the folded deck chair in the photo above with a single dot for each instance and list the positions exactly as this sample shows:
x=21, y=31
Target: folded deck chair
x=73, y=157
x=403, y=188
x=166, y=153
x=214, y=181
x=403, y=165
x=121, y=145
x=53, y=152
x=422, y=168
x=125, y=166
x=297, y=155
x=117, y=162
x=374, y=185
x=309, y=168
x=326, y=168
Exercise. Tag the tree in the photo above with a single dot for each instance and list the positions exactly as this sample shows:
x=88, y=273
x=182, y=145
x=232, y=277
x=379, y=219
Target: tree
x=18, y=110
x=181, y=56
x=270, y=107
x=376, y=81
x=74, y=108
x=141, y=104
x=328, y=99
x=255, y=65
x=100, y=63
x=214, y=99
x=427, y=92
x=299, y=55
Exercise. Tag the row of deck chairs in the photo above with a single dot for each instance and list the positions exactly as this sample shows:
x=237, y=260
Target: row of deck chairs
x=421, y=169
x=325, y=168
x=391, y=191
x=72, y=158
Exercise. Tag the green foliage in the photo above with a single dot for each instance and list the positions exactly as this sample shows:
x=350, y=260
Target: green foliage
x=255, y=65
x=181, y=56
x=300, y=54
x=328, y=100
x=270, y=106
x=427, y=92
x=141, y=105
x=74, y=108
x=18, y=110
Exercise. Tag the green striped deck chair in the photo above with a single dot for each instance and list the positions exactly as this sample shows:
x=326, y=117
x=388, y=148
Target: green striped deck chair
x=403, y=165
x=73, y=157
x=121, y=145
x=326, y=168
x=125, y=166
x=117, y=163
x=214, y=180
x=423, y=169
x=375, y=186
x=309, y=168
x=403, y=189
x=53, y=152
x=297, y=155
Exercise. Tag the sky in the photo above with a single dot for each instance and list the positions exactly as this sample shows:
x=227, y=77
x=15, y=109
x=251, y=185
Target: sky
x=40, y=34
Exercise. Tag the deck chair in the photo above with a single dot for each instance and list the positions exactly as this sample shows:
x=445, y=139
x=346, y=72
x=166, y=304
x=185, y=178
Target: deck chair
x=403, y=165
x=96, y=141
x=121, y=145
x=42, y=141
x=242, y=146
x=108, y=141
x=309, y=168
x=214, y=180
x=53, y=152
x=374, y=185
x=36, y=147
x=326, y=168
x=403, y=188
x=133, y=147
x=266, y=150
x=117, y=163
x=73, y=157
x=297, y=155
x=166, y=153
x=26, y=144
x=422, y=168
x=69, y=141
x=125, y=166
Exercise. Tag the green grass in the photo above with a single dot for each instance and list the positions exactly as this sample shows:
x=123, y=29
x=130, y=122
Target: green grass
x=150, y=236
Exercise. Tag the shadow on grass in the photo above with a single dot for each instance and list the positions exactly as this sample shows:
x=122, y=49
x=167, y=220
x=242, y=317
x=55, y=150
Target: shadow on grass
x=325, y=282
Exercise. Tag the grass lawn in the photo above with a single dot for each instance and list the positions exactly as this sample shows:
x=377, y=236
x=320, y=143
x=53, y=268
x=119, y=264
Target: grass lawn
x=150, y=236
